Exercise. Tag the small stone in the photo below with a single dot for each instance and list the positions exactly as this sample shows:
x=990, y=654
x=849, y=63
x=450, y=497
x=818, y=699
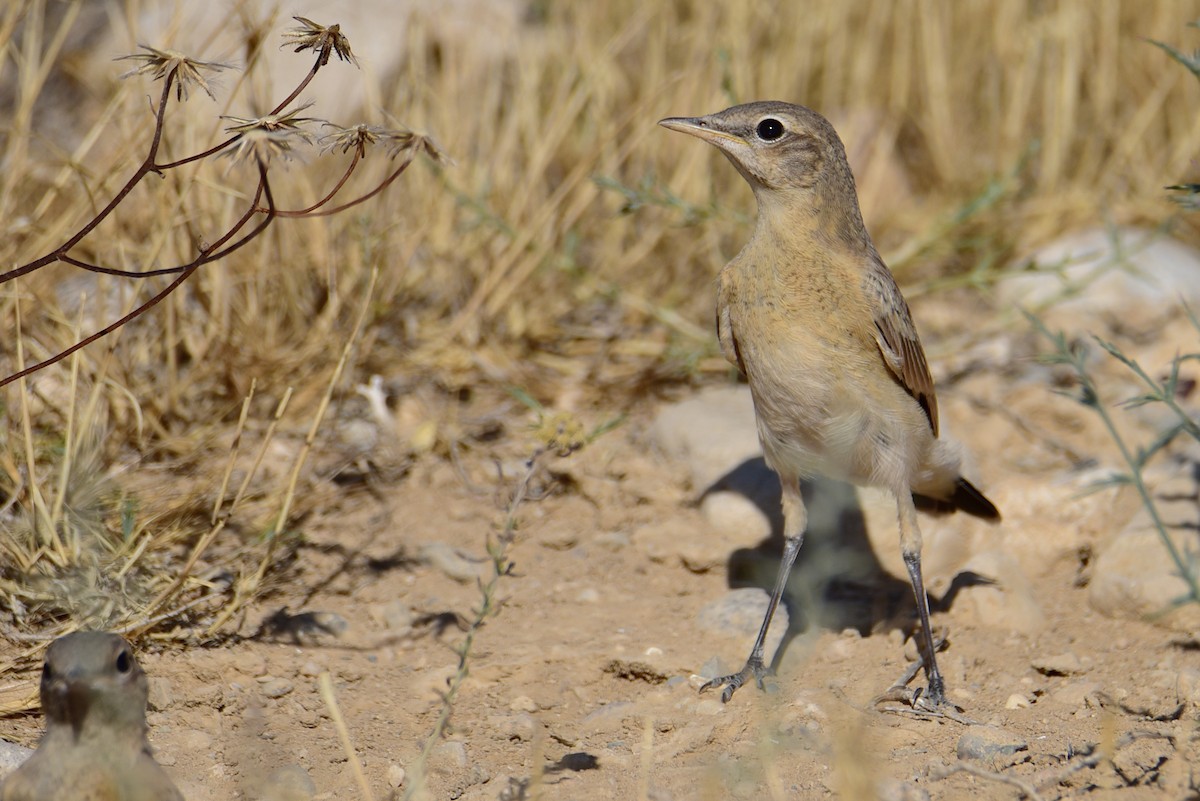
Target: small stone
x=277, y=688
x=733, y=512
x=1066, y=664
x=1016, y=701
x=523, y=703
x=520, y=727
x=557, y=539
x=990, y=744
x=250, y=663
x=448, y=757
x=897, y=790
x=311, y=669
x=453, y=562
x=588, y=595
x=396, y=616
x=288, y=783
x=160, y=696
x=395, y=776
x=1076, y=693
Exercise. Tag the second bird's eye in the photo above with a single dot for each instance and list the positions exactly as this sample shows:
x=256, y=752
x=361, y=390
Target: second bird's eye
x=770, y=129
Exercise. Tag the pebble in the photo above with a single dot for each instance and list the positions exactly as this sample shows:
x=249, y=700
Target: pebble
x=277, y=688
x=588, y=595
x=731, y=511
x=1076, y=693
x=288, y=783
x=453, y=562
x=1066, y=664
x=395, y=776
x=989, y=744
x=396, y=616
x=311, y=669
x=448, y=757
x=520, y=727
x=523, y=703
x=1016, y=701
x=897, y=790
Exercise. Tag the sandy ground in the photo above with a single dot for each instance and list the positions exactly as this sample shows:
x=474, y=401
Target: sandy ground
x=584, y=684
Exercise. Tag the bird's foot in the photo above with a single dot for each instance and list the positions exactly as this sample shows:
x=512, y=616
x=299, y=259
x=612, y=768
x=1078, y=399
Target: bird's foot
x=922, y=702
x=754, y=669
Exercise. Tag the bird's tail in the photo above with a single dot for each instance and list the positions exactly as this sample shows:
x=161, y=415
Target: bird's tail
x=965, y=497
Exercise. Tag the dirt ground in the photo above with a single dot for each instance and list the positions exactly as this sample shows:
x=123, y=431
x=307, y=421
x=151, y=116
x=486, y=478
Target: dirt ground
x=584, y=684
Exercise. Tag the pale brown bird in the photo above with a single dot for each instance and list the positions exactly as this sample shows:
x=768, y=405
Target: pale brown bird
x=810, y=314
x=93, y=695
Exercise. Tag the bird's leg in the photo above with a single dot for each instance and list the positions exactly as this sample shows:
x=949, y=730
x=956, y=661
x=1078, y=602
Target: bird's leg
x=795, y=518
x=910, y=548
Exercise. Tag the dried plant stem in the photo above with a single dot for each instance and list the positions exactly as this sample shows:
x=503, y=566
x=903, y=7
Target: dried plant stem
x=325, y=685
x=489, y=606
x=334, y=379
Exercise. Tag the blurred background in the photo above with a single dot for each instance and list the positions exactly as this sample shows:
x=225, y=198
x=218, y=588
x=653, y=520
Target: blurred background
x=569, y=249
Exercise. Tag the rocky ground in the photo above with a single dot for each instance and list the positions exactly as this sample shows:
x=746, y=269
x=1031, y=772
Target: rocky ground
x=639, y=567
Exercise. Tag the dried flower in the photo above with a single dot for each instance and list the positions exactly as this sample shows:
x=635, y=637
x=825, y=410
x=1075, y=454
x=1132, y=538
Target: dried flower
x=397, y=140
x=357, y=138
x=322, y=39
x=266, y=137
x=187, y=71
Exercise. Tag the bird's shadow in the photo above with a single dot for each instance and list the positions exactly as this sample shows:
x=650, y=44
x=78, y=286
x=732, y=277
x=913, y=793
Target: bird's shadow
x=837, y=582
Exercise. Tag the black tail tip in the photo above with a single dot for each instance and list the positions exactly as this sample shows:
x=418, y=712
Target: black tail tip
x=965, y=498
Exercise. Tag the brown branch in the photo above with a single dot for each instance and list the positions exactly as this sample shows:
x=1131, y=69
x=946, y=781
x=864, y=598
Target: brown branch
x=352, y=203
x=206, y=256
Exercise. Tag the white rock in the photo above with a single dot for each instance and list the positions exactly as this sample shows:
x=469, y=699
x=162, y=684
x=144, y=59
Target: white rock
x=1109, y=271
x=710, y=433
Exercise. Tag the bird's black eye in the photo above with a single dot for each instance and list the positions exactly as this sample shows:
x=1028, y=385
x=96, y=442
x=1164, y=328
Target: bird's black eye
x=770, y=129
x=124, y=662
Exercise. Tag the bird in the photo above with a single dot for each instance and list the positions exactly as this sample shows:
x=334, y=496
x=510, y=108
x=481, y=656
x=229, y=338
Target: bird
x=814, y=320
x=93, y=694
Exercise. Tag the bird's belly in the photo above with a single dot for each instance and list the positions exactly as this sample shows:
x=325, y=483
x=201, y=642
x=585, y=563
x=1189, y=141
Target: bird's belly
x=830, y=421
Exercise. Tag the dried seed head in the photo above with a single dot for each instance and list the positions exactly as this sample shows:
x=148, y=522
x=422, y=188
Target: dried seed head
x=187, y=71
x=263, y=138
x=397, y=140
x=320, y=38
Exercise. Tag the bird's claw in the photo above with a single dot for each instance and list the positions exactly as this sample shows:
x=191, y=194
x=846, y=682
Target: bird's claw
x=753, y=669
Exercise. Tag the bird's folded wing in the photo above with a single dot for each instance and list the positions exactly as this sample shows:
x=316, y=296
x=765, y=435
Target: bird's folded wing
x=897, y=338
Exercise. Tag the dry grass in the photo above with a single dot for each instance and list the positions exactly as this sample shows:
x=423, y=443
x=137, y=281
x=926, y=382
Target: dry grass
x=563, y=253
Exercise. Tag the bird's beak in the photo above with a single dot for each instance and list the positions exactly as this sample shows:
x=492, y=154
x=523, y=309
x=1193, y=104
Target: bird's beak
x=701, y=128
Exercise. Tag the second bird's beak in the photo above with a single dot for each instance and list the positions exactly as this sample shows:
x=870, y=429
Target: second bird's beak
x=701, y=128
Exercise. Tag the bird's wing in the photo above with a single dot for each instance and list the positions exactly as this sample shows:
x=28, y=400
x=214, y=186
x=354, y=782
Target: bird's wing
x=897, y=338
x=729, y=344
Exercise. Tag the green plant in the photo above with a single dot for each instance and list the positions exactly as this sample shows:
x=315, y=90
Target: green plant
x=1135, y=457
